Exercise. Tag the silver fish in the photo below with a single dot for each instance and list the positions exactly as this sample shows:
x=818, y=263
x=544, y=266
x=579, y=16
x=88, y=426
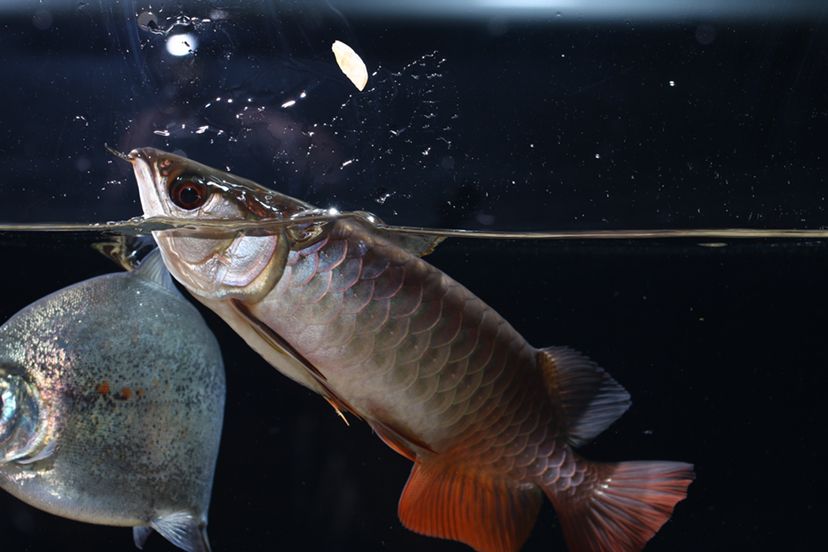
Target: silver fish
x=112, y=394
x=491, y=423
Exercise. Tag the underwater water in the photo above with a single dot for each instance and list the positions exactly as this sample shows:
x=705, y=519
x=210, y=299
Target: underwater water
x=489, y=121
x=722, y=350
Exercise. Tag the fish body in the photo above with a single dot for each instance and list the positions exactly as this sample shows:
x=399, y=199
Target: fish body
x=356, y=314
x=112, y=398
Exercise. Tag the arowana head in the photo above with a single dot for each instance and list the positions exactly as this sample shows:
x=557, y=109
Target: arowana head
x=210, y=264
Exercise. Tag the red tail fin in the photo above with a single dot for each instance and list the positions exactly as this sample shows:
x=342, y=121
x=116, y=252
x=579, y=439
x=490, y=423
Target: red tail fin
x=624, y=505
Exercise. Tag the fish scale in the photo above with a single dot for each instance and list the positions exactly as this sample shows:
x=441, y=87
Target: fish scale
x=436, y=308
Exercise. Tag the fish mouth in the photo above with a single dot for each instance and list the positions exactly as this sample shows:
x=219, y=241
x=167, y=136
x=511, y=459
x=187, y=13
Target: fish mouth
x=141, y=161
x=150, y=185
x=138, y=153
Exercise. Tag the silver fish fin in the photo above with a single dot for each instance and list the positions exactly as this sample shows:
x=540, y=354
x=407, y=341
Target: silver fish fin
x=184, y=531
x=152, y=268
x=417, y=244
x=140, y=536
x=125, y=251
x=43, y=454
x=590, y=398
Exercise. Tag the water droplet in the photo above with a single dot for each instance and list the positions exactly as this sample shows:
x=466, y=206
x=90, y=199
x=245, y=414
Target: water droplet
x=148, y=21
x=383, y=197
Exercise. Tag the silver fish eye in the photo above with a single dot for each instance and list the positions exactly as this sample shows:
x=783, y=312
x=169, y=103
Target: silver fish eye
x=8, y=408
x=19, y=416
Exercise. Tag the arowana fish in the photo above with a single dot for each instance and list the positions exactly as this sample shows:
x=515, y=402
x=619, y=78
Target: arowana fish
x=111, y=402
x=353, y=312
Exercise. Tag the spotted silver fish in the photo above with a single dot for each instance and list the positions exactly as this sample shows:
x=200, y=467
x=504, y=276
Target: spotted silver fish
x=111, y=403
x=353, y=312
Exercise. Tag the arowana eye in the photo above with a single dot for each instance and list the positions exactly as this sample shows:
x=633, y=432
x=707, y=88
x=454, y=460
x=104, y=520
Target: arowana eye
x=189, y=192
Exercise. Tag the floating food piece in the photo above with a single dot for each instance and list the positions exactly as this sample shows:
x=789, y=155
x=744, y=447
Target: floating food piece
x=491, y=423
x=351, y=64
x=111, y=403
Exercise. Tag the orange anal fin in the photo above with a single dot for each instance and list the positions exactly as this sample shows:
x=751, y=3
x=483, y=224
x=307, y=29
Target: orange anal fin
x=490, y=515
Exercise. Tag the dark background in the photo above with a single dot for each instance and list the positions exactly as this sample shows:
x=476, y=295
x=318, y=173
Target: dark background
x=722, y=349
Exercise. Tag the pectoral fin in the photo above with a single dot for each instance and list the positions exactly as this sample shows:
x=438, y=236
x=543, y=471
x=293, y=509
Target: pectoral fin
x=43, y=454
x=275, y=340
x=286, y=350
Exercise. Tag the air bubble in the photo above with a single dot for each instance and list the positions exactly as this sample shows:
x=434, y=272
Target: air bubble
x=148, y=21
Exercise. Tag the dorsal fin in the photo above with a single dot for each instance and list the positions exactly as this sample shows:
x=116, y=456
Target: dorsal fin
x=590, y=398
x=152, y=268
x=419, y=245
x=123, y=250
